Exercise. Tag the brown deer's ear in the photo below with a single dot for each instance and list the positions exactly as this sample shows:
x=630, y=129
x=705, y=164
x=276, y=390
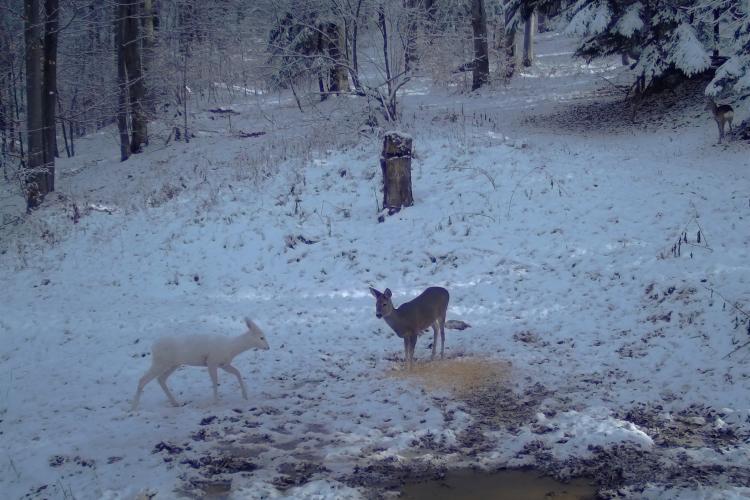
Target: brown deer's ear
x=387, y=293
x=374, y=292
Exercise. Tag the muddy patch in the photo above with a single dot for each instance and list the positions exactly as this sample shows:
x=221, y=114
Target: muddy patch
x=502, y=485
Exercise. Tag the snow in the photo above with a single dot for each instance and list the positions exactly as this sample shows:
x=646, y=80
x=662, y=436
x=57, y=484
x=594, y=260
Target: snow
x=591, y=20
x=631, y=20
x=688, y=53
x=556, y=243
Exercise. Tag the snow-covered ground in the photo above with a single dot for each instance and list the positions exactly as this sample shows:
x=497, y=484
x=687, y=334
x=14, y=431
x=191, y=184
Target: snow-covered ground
x=569, y=241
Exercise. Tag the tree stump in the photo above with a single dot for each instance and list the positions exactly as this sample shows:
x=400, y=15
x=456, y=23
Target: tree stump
x=395, y=162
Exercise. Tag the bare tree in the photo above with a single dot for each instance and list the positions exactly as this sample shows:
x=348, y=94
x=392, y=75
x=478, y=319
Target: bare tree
x=511, y=53
x=134, y=73
x=481, y=63
x=352, y=22
x=122, y=83
x=51, y=26
x=411, y=57
x=39, y=174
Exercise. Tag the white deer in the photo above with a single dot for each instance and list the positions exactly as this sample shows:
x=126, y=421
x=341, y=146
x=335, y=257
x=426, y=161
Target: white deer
x=211, y=351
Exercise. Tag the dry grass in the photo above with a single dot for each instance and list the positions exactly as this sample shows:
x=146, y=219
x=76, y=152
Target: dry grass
x=459, y=375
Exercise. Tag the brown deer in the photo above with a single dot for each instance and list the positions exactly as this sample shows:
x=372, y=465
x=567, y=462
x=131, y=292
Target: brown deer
x=723, y=113
x=415, y=316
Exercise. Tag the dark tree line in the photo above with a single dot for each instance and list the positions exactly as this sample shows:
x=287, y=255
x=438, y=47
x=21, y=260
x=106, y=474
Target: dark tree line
x=70, y=68
x=40, y=35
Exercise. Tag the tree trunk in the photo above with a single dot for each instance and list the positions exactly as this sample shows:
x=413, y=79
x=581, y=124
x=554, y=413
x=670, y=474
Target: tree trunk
x=388, y=103
x=338, y=80
x=528, y=39
x=510, y=45
x=134, y=73
x=481, y=68
x=410, y=53
x=717, y=37
x=38, y=183
x=320, y=49
x=122, y=83
x=51, y=24
x=355, y=56
x=4, y=113
x=395, y=163
x=149, y=43
x=62, y=126
x=16, y=123
x=430, y=8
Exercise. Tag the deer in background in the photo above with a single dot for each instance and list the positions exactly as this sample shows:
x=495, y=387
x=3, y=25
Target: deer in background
x=415, y=316
x=722, y=114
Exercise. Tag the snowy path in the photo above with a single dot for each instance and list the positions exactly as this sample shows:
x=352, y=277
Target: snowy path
x=556, y=245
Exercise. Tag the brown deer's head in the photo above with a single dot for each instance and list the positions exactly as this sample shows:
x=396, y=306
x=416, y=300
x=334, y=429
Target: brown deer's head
x=383, y=304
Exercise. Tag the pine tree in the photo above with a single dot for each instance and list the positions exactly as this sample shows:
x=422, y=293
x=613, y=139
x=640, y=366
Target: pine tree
x=659, y=33
x=734, y=74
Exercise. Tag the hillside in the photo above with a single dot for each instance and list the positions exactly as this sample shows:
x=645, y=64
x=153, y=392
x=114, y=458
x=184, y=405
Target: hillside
x=603, y=266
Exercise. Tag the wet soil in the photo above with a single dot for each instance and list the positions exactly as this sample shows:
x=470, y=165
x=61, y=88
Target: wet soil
x=501, y=485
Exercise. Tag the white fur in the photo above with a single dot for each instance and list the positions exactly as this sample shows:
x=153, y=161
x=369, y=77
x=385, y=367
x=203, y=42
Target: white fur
x=211, y=351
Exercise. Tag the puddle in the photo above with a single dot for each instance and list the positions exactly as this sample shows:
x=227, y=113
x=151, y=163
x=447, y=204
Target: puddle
x=459, y=375
x=502, y=485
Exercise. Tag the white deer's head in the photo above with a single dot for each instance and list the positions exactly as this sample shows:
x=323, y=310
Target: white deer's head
x=254, y=336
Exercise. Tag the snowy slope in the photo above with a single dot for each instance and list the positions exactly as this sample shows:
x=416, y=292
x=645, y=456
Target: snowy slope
x=556, y=238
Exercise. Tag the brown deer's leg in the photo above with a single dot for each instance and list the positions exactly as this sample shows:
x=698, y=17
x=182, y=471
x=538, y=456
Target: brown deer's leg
x=435, y=332
x=442, y=337
x=412, y=348
x=406, y=352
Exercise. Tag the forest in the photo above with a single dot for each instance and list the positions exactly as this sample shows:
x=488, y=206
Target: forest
x=381, y=248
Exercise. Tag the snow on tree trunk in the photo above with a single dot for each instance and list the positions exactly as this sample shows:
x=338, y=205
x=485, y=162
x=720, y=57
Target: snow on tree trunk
x=395, y=162
x=530, y=27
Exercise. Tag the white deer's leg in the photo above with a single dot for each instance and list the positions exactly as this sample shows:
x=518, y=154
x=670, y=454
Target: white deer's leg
x=163, y=383
x=234, y=371
x=721, y=130
x=150, y=375
x=212, y=371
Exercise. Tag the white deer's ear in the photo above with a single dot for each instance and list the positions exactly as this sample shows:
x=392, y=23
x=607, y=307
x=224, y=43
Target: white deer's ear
x=249, y=323
x=387, y=293
x=374, y=292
